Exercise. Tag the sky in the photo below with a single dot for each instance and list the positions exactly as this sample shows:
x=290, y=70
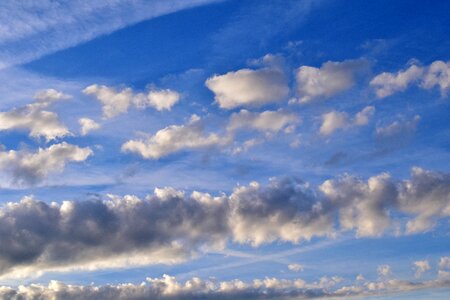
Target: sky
x=225, y=149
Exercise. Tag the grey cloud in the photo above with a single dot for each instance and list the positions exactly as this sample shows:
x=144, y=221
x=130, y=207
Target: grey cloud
x=169, y=227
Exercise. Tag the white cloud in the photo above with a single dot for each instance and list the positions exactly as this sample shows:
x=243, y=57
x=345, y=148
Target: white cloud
x=295, y=267
x=168, y=287
x=444, y=263
x=159, y=99
x=117, y=102
x=87, y=125
x=333, y=121
x=384, y=270
x=328, y=80
x=24, y=167
x=175, y=138
x=248, y=87
x=35, y=119
x=436, y=74
x=266, y=121
x=32, y=29
x=336, y=120
x=421, y=267
x=386, y=84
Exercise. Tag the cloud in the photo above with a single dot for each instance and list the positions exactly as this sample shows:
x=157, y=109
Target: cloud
x=335, y=120
x=384, y=270
x=87, y=125
x=35, y=119
x=386, y=84
x=168, y=287
x=426, y=195
x=117, y=102
x=328, y=80
x=266, y=121
x=285, y=210
x=193, y=136
x=25, y=168
x=30, y=30
x=363, y=206
x=444, y=263
x=295, y=267
x=175, y=138
x=421, y=267
x=398, y=129
x=436, y=74
x=169, y=226
x=248, y=87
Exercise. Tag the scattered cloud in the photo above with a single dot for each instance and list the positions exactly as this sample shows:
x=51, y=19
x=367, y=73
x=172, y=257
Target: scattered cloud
x=384, y=270
x=35, y=118
x=421, y=267
x=116, y=102
x=295, y=267
x=87, y=125
x=328, y=80
x=436, y=74
x=175, y=138
x=26, y=168
x=335, y=120
x=266, y=121
x=248, y=87
x=398, y=129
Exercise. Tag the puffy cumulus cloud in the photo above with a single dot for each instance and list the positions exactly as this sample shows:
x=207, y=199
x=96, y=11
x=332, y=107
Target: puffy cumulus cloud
x=175, y=138
x=168, y=287
x=437, y=74
x=363, y=206
x=266, y=121
x=194, y=136
x=116, y=102
x=421, y=266
x=444, y=263
x=427, y=196
x=159, y=99
x=169, y=226
x=295, y=267
x=398, y=129
x=285, y=210
x=50, y=95
x=335, y=120
x=25, y=167
x=35, y=118
x=248, y=87
x=386, y=84
x=328, y=80
x=117, y=232
x=87, y=125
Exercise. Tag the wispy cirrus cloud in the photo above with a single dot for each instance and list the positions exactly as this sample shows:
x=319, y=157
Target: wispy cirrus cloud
x=30, y=30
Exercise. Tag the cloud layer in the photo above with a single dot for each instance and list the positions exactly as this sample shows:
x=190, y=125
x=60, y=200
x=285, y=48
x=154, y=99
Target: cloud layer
x=169, y=226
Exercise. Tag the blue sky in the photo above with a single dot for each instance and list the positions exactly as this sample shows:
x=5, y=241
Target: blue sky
x=246, y=149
